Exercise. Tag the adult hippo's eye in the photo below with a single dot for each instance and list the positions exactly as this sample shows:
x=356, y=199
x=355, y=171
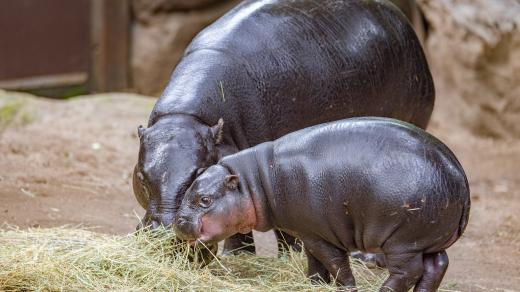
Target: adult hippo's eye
x=205, y=202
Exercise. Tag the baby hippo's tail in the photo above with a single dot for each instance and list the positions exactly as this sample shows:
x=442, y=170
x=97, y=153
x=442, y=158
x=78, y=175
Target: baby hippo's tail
x=464, y=218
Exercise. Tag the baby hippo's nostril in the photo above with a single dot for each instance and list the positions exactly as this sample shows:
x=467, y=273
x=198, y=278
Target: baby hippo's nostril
x=184, y=229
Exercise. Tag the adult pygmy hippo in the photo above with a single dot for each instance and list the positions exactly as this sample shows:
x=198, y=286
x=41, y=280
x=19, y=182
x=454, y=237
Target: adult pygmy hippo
x=369, y=184
x=271, y=67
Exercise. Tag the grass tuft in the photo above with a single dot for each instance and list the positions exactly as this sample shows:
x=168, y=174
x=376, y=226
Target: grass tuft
x=60, y=259
x=12, y=111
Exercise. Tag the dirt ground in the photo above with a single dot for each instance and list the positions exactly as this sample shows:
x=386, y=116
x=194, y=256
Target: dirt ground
x=70, y=162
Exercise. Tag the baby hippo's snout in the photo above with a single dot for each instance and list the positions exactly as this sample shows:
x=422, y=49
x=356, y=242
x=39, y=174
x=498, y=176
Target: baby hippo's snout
x=187, y=228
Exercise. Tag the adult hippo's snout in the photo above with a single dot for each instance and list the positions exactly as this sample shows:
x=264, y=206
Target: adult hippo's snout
x=154, y=217
x=159, y=212
x=155, y=221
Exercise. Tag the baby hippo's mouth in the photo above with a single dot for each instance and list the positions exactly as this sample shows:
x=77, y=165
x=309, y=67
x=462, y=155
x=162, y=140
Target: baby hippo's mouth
x=198, y=234
x=210, y=231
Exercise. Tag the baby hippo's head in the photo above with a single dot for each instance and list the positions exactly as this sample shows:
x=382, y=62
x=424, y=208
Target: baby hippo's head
x=214, y=208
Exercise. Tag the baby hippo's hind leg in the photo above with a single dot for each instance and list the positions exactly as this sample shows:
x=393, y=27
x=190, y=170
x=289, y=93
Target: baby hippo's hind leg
x=335, y=260
x=435, y=266
x=405, y=271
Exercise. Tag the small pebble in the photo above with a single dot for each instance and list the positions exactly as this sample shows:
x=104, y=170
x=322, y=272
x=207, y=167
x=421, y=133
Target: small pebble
x=95, y=146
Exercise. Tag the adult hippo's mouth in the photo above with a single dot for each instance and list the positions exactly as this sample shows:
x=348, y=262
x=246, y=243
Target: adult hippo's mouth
x=161, y=209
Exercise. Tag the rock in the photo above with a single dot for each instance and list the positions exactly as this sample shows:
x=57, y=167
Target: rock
x=159, y=43
x=474, y=49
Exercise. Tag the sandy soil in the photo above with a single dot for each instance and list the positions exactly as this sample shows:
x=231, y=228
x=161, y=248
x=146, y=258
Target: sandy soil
x=69, y=162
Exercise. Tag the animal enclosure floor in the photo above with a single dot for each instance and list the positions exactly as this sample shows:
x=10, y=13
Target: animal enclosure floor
x=70, y=162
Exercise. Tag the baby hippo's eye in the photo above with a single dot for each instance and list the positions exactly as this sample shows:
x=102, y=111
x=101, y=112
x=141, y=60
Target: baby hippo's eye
x=205, y=201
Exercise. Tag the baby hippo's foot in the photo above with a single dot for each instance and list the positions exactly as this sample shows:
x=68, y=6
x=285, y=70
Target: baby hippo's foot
x=371, y=260
x=324, y=260
x=435, y=266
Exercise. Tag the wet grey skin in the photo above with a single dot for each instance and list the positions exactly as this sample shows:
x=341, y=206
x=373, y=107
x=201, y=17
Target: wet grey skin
x=363, y=184
x=268, y=68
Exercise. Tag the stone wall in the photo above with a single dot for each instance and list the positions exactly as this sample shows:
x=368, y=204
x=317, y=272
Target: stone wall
x=474, y=51
x=161, y=31
x=163, y=28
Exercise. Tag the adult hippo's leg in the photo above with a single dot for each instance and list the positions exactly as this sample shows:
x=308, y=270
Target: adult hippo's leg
x=286, y=241
x=245, y=243
x=239, y=243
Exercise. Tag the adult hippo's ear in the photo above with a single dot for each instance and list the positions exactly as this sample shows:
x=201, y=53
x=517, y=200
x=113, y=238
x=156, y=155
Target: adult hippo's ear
x=140, y=191
x=231, y=181
x=140, y=131
x=217, y=131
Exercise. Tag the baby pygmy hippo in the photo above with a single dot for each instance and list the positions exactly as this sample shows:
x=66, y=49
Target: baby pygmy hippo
x=369, y=184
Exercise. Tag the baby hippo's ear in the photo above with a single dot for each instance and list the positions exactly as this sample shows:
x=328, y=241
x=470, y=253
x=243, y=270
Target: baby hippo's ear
x=200, y=170
x=231, y=181
x=217, y=131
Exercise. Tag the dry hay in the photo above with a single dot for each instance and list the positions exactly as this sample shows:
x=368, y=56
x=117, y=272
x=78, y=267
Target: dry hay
x=60, y=259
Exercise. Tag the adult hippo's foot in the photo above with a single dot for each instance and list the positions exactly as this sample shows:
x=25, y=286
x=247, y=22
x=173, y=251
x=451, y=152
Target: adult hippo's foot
x=203, y=256
x=239, y=243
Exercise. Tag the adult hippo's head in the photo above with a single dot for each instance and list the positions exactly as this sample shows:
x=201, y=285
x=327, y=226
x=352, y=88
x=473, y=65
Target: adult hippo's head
x=171, y=151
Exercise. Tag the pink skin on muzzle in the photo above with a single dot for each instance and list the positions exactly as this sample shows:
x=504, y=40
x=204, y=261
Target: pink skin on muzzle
x=211, y=229
x=216, y=227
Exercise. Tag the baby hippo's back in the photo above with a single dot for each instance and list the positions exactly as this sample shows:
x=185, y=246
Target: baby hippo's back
x=371, y=184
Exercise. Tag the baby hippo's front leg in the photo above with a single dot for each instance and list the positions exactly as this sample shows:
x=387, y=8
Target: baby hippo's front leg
x=333, y=259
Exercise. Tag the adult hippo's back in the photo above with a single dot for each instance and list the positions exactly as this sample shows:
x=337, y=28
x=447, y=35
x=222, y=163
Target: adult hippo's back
x=268, y=68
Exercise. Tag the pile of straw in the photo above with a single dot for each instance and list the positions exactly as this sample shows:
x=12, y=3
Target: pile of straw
x=77, y=259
